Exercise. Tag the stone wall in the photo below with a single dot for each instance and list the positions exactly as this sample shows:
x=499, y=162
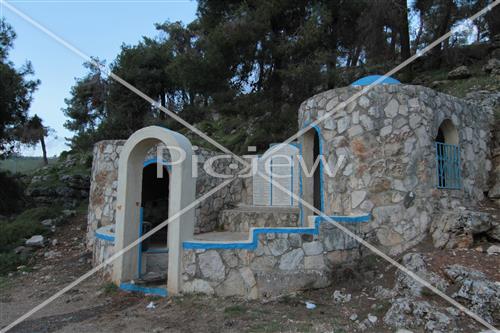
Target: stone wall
x=387, y=137
x=104, y=181
x=102, y=250
x=242, y=218
x=280, y=263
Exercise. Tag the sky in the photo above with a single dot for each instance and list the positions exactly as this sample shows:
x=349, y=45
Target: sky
x=98, y=28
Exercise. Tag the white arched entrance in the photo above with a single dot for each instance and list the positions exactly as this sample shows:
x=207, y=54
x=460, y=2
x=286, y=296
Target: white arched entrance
x=182, y=193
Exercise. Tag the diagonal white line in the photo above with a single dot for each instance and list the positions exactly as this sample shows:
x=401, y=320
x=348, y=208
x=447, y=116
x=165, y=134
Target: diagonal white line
x=379, y=80
x=115, y=256
x=117, y=78
x=381, y=254
x=60, y=40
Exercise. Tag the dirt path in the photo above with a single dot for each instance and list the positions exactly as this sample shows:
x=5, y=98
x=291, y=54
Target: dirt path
x=95, y=306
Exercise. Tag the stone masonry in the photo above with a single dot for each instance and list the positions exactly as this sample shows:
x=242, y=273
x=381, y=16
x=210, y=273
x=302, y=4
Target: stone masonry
x=388, y=138
x=104, y=179
x=281, y=263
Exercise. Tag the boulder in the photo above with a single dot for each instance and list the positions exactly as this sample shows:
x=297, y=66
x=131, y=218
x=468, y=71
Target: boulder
x=384, y=293
x=456, y=229
x=36, y=241
x=492, y=65
x=48, y=223
x=493, y=249
x=459, y=73
x=23, y=251
x=407, y=312
x=406, y=285
x=481, y=294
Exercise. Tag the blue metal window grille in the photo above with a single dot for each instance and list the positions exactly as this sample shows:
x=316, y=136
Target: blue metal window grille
x=448, y=166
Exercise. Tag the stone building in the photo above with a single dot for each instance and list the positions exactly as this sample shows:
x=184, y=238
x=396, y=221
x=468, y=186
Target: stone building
x=410, y=154
x=391, y=162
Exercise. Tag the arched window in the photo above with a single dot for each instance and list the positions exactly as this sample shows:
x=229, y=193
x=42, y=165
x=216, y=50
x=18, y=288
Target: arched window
x=447, y=156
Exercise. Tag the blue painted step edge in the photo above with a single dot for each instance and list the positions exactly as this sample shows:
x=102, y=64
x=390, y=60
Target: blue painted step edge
x=145, y=290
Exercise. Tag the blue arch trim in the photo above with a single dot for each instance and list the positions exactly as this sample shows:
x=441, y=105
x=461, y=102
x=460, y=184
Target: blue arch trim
x=155, y=160
x=252, y=243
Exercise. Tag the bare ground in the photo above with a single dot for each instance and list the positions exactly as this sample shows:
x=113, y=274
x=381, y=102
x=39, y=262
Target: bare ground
x=95, y=306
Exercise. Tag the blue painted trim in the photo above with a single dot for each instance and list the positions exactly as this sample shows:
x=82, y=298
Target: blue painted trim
x=155, y=160
x=146, y=290
x=448, y=166
x=320, y=140
x=105, y=237
x=253, y=242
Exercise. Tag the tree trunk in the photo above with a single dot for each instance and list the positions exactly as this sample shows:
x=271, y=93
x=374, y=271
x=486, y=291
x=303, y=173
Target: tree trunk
x=404, y=32
x=44, y=150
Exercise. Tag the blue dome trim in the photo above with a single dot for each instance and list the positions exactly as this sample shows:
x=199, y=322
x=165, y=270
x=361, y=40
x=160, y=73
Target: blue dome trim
x=367, y=80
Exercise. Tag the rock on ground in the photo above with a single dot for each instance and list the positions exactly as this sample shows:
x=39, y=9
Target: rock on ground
x=406, y=285
x=36, y=241
x=461, y=72
x=457, y=229
x=493, y=249
x=481, y=294
x=408, y=312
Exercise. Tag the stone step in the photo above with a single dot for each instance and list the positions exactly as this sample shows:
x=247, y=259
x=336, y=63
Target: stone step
x=158, y=290
x=242, y=218
x=155, y=261
x=152, y=278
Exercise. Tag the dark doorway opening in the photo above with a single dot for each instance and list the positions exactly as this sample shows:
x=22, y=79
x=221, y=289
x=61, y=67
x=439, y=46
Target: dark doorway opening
x=440, y=148
x=154, y=203
x=317, y=172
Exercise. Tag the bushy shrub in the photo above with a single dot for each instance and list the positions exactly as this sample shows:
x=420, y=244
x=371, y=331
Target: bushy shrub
x=10, y=261
x=23, y=226
x=12, y=194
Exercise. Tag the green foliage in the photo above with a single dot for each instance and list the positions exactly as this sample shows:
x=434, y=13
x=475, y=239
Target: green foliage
x=460, y=88
x=15, y=92
x=50, y=178
x=12, y=200
x=110, y=288
x=10, y=261
x=241, y=69
x=235, y=310
x=24, y=226
x=25, y=165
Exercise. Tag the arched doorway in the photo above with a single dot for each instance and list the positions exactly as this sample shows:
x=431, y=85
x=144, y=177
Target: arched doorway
x=181, y=184
x=312, y=178
x=448, y=173
x=153, y=263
